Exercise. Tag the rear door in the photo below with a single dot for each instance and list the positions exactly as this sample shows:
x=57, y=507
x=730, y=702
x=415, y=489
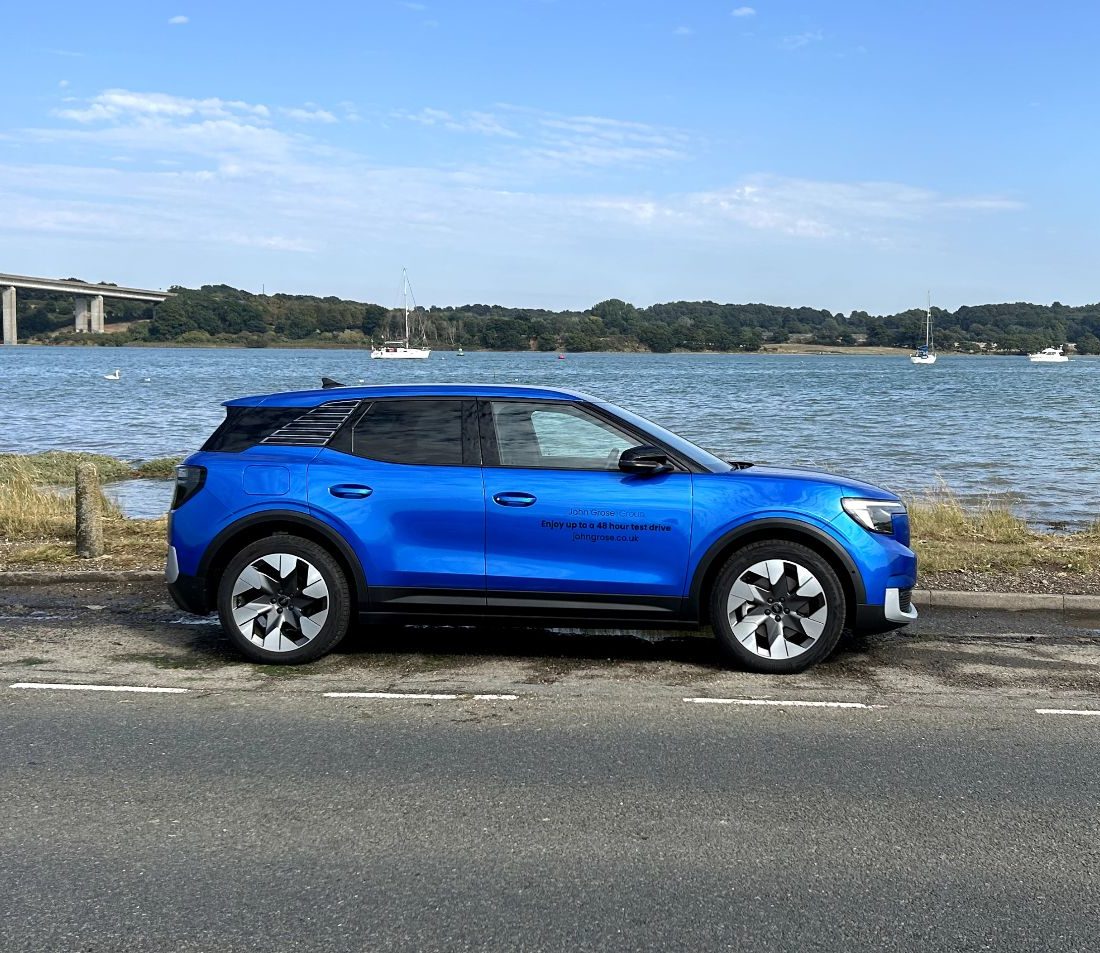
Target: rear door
x=565, y=528
x=404, y=486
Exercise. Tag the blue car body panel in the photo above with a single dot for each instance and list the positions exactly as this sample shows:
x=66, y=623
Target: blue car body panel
x=598, y=531
x=419, y=527
x=471, y=535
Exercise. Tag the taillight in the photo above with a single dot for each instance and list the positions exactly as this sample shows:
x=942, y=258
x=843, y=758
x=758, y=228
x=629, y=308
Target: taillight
x=189, y=481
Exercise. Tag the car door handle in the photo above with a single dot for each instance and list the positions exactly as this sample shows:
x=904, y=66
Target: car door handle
x=350, y=491
x=513, y=499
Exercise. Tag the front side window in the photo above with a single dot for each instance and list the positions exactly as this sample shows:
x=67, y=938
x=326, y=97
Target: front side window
x=415, y=432
x=556, y=436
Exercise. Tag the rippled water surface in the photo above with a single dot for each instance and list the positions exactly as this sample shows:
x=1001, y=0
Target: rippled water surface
x=999, y=427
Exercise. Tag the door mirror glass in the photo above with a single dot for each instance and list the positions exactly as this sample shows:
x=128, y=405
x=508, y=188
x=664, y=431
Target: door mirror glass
x=644, y=459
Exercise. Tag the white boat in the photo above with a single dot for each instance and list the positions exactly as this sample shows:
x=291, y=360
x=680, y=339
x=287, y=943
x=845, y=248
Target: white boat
x=400, y=350
x=926, y=353
x=1048, y=355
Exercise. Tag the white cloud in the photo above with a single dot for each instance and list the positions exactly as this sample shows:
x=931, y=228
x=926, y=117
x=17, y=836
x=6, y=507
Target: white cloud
x=683, y=31
x=797, y=41
x=122, y=104
x=178, y=20
x=309, y=113
x=62, y=84
x=743, y=12
x=230, y=179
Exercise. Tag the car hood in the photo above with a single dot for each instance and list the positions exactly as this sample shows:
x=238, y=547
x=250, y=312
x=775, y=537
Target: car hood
x=848, y=486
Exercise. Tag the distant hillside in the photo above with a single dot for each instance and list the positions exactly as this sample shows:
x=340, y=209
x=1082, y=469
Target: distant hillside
x=218, y=314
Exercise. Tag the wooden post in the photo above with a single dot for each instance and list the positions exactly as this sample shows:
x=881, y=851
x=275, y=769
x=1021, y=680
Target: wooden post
x=89, y=519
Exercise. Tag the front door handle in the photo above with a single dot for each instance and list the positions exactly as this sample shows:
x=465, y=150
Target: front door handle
x=513, y=499
x=350, y=491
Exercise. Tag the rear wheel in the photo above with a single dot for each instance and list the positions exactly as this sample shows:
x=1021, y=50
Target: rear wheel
x=284, y=600
x=777, y=607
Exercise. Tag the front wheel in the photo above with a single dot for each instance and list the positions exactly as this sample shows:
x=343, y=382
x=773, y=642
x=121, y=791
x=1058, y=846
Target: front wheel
x=285, y=600
x=777, y=607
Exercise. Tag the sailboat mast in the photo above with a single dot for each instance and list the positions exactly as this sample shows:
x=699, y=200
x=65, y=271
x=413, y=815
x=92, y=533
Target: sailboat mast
x=405, y=296
x=928, y=323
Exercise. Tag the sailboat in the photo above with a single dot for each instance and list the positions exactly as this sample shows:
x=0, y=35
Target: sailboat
x=400, y=350
x=926, y=353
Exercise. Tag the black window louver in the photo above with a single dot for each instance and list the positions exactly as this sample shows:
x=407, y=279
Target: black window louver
x=316, y=427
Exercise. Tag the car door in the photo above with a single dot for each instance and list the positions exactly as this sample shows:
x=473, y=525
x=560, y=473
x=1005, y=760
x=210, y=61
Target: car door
x=564, y=527
x=404, y=486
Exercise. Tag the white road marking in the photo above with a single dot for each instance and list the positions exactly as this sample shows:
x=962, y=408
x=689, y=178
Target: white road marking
x=424, y=696
x=101, y=688
x=778, y=704
x=1067, y=711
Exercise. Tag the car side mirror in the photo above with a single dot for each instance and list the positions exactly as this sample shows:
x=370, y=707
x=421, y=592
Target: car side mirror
x=644, y=460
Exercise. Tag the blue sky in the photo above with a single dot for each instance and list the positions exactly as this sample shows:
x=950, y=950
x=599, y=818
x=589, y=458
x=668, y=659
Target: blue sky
x=552, y=153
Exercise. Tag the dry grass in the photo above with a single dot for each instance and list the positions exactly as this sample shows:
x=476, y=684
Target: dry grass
x=990, y=538
x=37, y=521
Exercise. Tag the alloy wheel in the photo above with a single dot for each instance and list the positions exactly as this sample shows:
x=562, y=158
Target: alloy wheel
x=777, y=609
x=280, y=602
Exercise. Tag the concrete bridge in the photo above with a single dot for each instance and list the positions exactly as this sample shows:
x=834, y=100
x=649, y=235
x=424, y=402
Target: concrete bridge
x=89, y=300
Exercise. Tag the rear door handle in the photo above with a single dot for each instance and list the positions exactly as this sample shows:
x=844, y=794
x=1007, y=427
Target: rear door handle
x=513, y=499
x=350, y=491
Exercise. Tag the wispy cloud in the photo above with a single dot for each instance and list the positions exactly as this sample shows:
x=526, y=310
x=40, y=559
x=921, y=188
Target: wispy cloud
x=481, y=123
x=743, y=12
x=683, y=31
x=178, y=20
x=415, y=7
x=797, y=41
x=308, y=113
x=122, y=104
x=226, y=174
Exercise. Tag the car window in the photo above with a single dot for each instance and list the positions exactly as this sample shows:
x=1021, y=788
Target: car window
x=418, y=432
x=553, y=436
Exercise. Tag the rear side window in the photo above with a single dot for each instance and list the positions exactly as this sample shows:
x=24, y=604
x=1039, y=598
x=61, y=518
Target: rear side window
x=414, y=432
x=245, y=427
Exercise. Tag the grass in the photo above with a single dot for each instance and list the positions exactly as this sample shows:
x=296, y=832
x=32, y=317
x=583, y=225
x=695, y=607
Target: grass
x=949, y=536
x=37, y=523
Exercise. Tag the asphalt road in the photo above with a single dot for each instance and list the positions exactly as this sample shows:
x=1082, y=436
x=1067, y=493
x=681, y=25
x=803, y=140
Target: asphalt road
x=596, y=810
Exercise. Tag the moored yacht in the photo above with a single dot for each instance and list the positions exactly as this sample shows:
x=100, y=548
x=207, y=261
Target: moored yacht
x=1048, y=355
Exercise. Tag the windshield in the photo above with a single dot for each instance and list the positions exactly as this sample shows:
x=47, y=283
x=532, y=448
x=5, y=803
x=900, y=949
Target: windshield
x=703, y=457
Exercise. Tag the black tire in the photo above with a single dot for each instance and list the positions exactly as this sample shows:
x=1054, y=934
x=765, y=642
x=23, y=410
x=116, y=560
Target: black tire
x=299, y=601
x=779, y=625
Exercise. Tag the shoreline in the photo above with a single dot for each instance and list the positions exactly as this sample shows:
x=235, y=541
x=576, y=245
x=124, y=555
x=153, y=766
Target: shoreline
x=768, y=350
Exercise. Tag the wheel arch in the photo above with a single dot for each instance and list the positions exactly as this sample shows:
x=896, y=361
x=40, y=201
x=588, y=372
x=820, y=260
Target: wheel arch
x=775, y=530
x=257, y=526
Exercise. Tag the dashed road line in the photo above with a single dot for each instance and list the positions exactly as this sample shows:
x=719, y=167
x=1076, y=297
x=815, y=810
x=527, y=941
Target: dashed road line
x=101, y=688
x=1067, y=711
x=422, y=696
x=775, y=703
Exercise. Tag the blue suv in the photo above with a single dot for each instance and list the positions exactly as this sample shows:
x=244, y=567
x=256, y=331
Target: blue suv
x=452, y=504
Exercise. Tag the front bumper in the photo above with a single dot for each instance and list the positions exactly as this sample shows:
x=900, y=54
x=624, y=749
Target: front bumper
x=897, y=611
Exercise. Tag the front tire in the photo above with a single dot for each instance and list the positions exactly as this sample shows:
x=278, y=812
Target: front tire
x=284, y=600
x=777, y=607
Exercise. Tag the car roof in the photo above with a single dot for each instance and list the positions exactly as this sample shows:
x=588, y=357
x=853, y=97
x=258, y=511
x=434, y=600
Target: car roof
x=311, y=398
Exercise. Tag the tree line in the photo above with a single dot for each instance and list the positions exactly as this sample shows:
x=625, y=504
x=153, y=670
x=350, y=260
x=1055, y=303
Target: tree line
x=219, y=314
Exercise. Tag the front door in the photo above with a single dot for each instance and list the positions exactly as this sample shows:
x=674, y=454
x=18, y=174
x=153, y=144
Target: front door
x=564, y=527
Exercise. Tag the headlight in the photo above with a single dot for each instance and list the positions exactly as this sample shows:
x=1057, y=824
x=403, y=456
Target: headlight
x=875, y=515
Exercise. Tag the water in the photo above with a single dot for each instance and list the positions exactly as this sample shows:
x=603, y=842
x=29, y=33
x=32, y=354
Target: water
x=999, y=428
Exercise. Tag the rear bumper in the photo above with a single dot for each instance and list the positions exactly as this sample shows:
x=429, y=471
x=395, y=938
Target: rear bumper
x=189, y=593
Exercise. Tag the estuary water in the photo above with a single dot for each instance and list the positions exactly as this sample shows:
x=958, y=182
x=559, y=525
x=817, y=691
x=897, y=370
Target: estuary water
x=988, y=428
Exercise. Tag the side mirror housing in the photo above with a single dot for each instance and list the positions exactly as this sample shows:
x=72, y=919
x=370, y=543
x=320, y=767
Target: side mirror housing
x=644, y=460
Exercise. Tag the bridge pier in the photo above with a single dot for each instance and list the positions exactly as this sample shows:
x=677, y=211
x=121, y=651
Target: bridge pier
x=10, y=329
x=88, y=314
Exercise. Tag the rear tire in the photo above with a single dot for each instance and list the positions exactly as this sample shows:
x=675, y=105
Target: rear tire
x=777, y=607
x=284, y=600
